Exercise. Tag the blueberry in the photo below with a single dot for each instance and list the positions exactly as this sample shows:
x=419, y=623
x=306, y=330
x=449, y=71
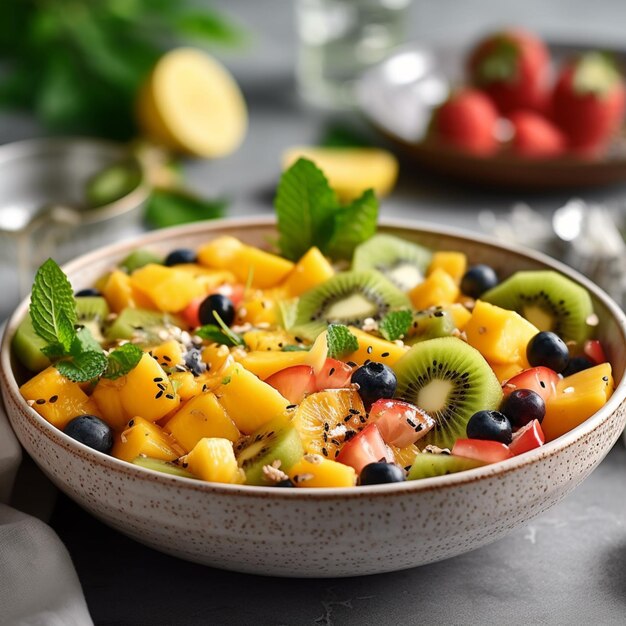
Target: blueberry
x=577, y=364
x=549, y=350
x=477, y=280
x=180, y=256
x=89, y=292
x=381, y=473
x=222, y=305
x=522, y=406
x=375, y=381
x=194, y=362
x=284, y=483
x=490, y=425
x=91, y=431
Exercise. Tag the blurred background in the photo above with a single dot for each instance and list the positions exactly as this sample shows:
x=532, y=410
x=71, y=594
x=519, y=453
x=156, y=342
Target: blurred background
x=187, y=147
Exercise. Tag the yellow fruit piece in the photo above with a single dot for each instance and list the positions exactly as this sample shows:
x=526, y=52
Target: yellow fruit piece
x=577, y=398
x=504, y=371
x=170, y=289
x=142, y=437
x=264, y=363
x=257, y=311
x=147, y=391
x=405, y=456
x=213, y=459
x=203, y=416
x=219, y=253
x=459, y=314
x=374, y=349
x=106, y=395
x=268, y=339
x=438, y=289
x=452, y=263
x=192, y=104
x=248, y=400
x=350, y=171
x=311, y=270
x=500, y=335
x=168, y=354
x=208, y=278
x=186, y=384
x=215, y=356
x=316, y=471
x=120, y=293
x=57, y=399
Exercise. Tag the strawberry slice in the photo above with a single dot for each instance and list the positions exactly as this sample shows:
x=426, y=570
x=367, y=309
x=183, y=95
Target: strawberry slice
x=191, y=314
x=294, y=383
x=481, y=450
x=364, y=448
x=527, y=438
x=541, y=379
x=400, y=423
x=594, y=350
x=333, y=375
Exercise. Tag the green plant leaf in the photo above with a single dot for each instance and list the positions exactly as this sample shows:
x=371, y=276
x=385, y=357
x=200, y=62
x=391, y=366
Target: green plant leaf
x=83, y=367
x=214, y=333
x=395, y=324
x=340, y=341
x=122, y=360
x=170, y=208
x=208, y=26
x=84, y=342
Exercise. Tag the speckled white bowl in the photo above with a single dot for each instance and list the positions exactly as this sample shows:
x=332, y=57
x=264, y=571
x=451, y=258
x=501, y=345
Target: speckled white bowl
x=326, y=532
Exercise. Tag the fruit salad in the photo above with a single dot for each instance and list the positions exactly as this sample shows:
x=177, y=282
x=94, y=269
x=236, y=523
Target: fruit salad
x=407, y=364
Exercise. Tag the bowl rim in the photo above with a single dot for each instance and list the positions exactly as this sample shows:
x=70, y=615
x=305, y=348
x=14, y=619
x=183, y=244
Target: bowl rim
x=9, y=385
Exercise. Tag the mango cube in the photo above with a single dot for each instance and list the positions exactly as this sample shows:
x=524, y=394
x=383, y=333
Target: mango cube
x=171, y=290
x=143, y=438
x=452, y=263
x=311, y=270
x=213, y=459
x=313, y=470
x=438, y=289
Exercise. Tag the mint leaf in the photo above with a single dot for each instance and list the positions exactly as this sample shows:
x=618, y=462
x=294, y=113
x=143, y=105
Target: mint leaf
x=52, y=306
x=304, y=205
x=354, y=224
x=84, y=342
x=83, y=367
x=340, y=341
x=54, y=351
x=214, y=333
x=172, y=207
x=395, y=324
x=122, y=360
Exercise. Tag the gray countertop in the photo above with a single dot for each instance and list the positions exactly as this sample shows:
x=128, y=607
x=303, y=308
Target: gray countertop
x=567, y=566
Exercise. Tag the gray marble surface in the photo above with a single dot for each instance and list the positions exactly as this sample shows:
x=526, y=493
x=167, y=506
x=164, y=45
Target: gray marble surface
x=566, y=567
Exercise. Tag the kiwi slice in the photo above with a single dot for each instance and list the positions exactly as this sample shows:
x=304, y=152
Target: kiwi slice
x=162, y=466
x=27, y=347
x=427, y=465
x=277, y=440
x=346, y=298
x=141, y=325
x=429, y=324
x=402, y=262
x=548, y=300
x=139, y=258
x=112, y=183
x=92, y=312
x=451, y=381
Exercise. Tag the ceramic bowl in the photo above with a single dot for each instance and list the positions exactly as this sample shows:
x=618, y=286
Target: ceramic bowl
x=325, y=532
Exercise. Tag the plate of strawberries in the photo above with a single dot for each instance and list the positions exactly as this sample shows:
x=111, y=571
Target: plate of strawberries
x=511, y=111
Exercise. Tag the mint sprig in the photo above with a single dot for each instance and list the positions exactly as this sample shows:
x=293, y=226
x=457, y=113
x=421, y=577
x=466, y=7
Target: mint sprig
x=83, y=366
x=395, y=324
x=340, y=341
x=122, y=360
x=309, y=214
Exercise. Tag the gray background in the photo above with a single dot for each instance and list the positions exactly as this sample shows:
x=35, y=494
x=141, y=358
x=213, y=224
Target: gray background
x=567, y=566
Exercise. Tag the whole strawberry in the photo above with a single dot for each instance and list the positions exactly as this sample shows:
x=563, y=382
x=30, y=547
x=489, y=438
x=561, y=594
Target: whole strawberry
x=513, y=67
x=467, y=121
x=535, y=137
x=588, y=102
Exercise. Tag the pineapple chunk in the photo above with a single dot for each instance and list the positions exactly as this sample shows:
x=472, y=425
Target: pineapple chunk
x=120, y=293
x=439, y=289
x=311, y=270
x=170, y=289
x=107, y=397
x=452, y=263
x=213, y=459
x=264, y=363
x=500, y=335
x=203, y=416
x=57, y=399
x=374, y=349
x=248, y=400
x=459, y=314
x=143, y=438
x=316, y=471
x=577, y=398
x=268, y=339
x=256, y=310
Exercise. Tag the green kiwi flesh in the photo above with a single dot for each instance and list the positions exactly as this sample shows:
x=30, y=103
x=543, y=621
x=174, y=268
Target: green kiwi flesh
x=402, y=262
x=162, y=466
x=140, y=325
x=139, y=258
x=449, y=380
x=427, y=465
x=429, y=324
x=346, y=298
x=275, y=441
x=91, y=312
x=548, y=300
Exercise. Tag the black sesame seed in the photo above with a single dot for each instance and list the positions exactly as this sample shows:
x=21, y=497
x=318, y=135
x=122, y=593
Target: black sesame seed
x=40, y=401
x=384, y=354
x=131, y=423
x=158, y=379
x=169, y=396
x=331, y=371
x=351, y=363
x=166, y=358
x=158, y=395
x=291, y=406
x=369, y=349
x=53, y=399
x=354, y=411
x=324, y=451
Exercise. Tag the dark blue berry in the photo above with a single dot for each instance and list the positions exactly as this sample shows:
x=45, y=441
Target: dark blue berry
x=477, y=280
x=91, y=431
x=577, y=364
x=194, y=362
x=89, y=292
x=522, y=406
x=490, y=425
x=381, y=473
x=375, y=381
x=180, y=256
x=549, y=350
x=222, y=306
x=284, y=483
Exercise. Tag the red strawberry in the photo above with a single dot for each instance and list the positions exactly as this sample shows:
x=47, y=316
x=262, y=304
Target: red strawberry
x=588, y=102
x=513, y=67
x=535, y=137
x=467, y=122
x=294, y=383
